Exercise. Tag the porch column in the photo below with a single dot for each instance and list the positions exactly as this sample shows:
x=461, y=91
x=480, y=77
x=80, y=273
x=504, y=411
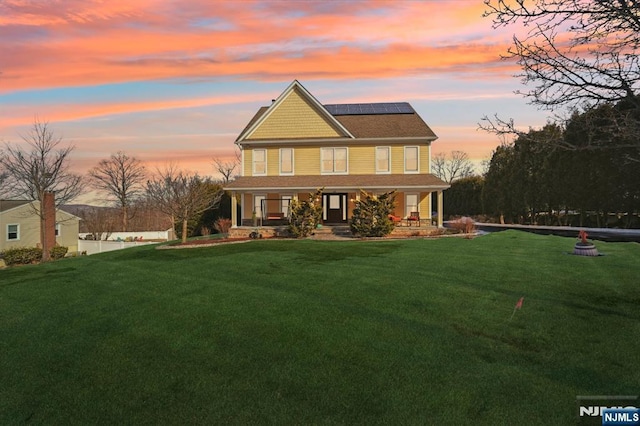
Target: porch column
x=234, y=210
x=440, y=212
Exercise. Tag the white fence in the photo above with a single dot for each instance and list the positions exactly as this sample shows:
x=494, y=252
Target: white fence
x=93, y=247
x=147, y=235
x=122, y=240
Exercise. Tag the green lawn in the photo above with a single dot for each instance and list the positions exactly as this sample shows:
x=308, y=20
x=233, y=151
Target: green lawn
x=312, y=332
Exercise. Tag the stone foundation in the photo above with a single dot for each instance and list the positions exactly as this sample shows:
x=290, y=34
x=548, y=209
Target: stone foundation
x=283, y=232
x=266, y=231
x=407, y=231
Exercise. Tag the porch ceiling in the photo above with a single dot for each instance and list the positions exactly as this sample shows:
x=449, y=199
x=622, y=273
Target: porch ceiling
x=424, y=182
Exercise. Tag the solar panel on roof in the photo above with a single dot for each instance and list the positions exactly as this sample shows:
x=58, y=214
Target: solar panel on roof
x=370, y=109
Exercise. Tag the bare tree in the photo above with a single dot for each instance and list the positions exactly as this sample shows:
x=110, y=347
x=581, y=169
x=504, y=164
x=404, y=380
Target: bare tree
x=40, y=169
x=574, y=51
x=579, y=55
x=3, y=176
x=182, y=195
x=227, y=168
x=121, y=178
x=99, y=222
x=456, y=166
x=148, y=217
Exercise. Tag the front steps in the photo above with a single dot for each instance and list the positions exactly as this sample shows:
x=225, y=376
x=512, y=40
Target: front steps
x=332, y=232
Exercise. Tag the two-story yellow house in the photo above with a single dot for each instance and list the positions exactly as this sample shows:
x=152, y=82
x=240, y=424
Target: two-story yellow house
x=297, y=145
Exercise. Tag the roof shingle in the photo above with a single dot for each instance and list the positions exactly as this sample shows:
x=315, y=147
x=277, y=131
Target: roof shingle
x=353, y=182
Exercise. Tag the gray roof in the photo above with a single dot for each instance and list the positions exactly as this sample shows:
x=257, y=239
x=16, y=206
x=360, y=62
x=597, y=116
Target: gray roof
x=12, y=204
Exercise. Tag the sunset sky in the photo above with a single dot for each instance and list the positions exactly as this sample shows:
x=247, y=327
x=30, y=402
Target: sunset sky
x=178, y=80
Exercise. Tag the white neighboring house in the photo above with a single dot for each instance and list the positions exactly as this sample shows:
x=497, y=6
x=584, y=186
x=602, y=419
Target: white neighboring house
x=20, y=226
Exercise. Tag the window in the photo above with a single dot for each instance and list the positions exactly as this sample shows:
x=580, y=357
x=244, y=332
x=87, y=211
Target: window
x=286, y=161
x=58, y=228
x=286, y=200
x=411, y=159
x=259, y=162
x=411, y=204
x=13, y=232
x=334, y=160
x=382, y=159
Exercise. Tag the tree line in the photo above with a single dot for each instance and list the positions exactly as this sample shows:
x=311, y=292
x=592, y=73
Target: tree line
x=42, y=165
x=537, y=179
x=578, y=59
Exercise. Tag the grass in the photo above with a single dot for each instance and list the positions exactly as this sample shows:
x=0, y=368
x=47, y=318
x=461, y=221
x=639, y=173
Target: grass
x=312, y=332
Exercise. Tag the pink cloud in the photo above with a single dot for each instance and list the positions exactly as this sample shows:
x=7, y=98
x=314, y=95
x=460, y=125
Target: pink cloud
x=23, y=115
x=96, y=43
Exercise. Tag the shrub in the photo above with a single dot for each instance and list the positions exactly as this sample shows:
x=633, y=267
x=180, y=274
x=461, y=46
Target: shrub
x=58, y=252
x=222, y=225
x=465, y=225
x=204, y=231
x=305, y=215
x=22, y=255
x=371, y=215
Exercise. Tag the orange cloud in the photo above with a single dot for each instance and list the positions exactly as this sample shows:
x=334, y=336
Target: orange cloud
x=90, y=42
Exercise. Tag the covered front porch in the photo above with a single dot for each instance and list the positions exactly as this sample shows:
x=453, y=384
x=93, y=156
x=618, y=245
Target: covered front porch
x=264, y=201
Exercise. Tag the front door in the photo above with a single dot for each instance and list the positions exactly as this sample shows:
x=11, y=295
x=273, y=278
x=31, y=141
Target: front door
x=334, y=208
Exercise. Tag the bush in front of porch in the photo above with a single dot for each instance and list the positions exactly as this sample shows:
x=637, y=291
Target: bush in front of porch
x=305, y=215
x=371, y=214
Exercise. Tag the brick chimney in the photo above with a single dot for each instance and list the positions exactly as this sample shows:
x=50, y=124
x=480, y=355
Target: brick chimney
x=48, y=223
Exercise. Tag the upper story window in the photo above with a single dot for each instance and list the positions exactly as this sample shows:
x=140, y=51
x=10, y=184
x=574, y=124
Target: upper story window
x=58, y=229
x=259, y=162
x=333, y=160
x=411, y=156
x=383, y=159
x=13, y=232
x=286, y=161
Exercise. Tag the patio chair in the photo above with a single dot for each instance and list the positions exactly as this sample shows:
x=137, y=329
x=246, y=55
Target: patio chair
x=413, y=217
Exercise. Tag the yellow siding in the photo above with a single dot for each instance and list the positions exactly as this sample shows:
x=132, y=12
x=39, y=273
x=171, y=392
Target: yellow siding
x=273, y=161
x=397, y=159
x=362, y=160
x=248, y=158
x=307, y=160
x=424, y=159
x=427, y=153
x=294, y=118
x=425, y=205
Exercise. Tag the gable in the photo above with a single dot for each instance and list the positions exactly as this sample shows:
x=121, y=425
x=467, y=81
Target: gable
x=297, y=115
x=295, y=118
